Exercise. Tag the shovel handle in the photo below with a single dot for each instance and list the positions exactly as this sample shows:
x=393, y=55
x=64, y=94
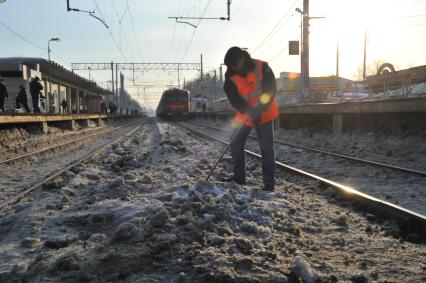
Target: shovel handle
x=234, y=134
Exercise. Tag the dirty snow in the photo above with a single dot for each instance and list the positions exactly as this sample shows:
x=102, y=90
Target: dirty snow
x=141, y=212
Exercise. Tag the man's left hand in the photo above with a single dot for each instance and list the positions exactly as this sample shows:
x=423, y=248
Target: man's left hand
x=254, y=113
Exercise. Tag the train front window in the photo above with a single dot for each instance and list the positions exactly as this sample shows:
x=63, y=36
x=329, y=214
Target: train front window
x=182, y=98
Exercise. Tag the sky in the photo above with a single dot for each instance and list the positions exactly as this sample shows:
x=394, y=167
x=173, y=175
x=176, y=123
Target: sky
x=140, y=31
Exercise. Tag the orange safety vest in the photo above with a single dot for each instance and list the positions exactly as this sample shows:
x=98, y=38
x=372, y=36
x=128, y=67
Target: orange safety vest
x=250, y=89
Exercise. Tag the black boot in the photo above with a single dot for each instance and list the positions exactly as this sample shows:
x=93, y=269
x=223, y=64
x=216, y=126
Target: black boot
x=269, y=187
x=238, y=181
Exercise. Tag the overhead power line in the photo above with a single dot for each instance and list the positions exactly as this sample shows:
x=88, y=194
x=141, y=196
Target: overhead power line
x=412, y=16
x=224, y=26
x=21, y=36
x=174, y=33
x=185, y=10
x=134, y=31
x=110, y=33
x=228, y=18
x=275, y=28
x=193, y=33
x=30, y=42
x=281, y=52
x=122, y=30
x=91, y=13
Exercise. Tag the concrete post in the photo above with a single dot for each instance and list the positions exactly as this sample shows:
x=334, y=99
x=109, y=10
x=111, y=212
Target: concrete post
x=72, y=125
x=337, y=124
x=44, y=127
x=83, y=122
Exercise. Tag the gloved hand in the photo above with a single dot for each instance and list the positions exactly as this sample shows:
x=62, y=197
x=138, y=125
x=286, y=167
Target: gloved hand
x=254, y=113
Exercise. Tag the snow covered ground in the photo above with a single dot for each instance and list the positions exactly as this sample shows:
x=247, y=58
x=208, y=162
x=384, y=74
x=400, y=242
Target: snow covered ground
x=140, y=212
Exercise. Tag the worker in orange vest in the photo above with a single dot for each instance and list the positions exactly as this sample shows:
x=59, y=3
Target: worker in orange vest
x=251, y=88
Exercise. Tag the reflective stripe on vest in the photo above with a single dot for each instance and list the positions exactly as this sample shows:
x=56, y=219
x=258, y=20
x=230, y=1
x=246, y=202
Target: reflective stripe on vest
x=250, y=89
x=257, y=77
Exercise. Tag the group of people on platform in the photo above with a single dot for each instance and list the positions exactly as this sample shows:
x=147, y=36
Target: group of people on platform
x=21, y=99
x=111, y=106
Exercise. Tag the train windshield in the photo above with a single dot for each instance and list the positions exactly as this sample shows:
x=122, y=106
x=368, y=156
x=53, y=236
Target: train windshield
x=177, y=97
x=182, y=97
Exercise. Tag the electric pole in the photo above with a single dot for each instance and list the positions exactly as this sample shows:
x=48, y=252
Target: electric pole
x=112, y=78
x=201, y=64
x=337, y=68
x=178, y=77
x=116, y=87
x=305, y=51
x=365, y=56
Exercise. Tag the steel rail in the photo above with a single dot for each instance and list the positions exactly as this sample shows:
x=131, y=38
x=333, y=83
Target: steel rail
x=360, y=160
x=16, y=198
x=60, y=145
x=408, y=219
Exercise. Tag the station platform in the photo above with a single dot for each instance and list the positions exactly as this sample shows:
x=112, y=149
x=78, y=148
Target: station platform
x=395, y=113
x=409, y=104
x=69, y=121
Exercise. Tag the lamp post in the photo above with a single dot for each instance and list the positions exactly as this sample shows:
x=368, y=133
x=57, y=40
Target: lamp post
x=50, y=71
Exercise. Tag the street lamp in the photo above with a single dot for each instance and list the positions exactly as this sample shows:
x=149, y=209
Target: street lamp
x=48, y=45
x=50, y=71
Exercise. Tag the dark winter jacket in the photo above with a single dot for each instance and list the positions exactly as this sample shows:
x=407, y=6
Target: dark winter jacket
x=3, y=92
x=268, y=84
x=22, y=95
x=35, y=88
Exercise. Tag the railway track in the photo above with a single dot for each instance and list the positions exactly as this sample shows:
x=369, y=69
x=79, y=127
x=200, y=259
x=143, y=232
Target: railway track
x=400, y=186
x=123, y=132
x=339, y=155
x=408, y=220
x=98, y=131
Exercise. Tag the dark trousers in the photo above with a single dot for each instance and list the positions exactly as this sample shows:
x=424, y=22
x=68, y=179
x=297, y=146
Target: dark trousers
x=265, y=134
x=2, y=104
x=36, y=107
x=23, y=103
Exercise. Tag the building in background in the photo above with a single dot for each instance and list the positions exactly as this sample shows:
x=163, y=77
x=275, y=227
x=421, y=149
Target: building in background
x=81, y=95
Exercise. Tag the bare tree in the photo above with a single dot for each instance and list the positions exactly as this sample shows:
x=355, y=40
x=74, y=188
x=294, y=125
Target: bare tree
x=374, y=67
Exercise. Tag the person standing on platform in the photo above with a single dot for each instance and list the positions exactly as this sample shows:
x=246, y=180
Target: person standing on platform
x=35, y=89
x=103, y=108
x=64, y=105
x=21, y=99
x=3, y=94
x=251, y=88
x=111, y=108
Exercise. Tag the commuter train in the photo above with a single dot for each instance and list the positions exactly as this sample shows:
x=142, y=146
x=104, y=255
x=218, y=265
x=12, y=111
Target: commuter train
x=174, y=104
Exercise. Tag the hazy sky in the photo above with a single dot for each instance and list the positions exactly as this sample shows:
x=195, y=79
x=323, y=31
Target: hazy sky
x=396, y=33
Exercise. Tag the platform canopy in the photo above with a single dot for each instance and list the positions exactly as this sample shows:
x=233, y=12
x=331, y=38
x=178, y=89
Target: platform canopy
x=13, y=67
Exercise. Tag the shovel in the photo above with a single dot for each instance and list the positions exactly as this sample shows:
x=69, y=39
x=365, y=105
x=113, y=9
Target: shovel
x=234, y=134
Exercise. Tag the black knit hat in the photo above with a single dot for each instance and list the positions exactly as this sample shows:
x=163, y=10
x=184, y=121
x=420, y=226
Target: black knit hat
x=232, y=55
